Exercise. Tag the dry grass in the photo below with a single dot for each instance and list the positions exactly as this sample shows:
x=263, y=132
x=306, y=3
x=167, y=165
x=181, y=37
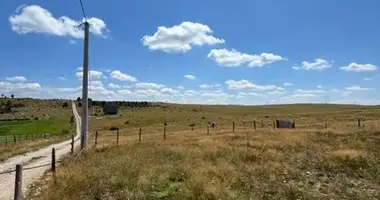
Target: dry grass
x=305, y=163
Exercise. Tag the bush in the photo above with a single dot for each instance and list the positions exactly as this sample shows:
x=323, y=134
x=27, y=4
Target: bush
x=36, y=118
x=65, y=105
x=65, y=131
x=114, y=128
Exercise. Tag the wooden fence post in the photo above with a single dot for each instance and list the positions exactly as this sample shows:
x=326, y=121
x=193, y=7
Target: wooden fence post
x=18, y=183
x=274, y=125
x=247, y=139
x=254, y=124
x=325, y=125
x=53, y=160
x=6, y=140
x=358, y=122
x=208, y=129
x=96, y=138
x=140, y=135
x=72, y=144
x=117, y=137
x=233, y=127
x=14, y=139
x=262, y=124
x=164, y=132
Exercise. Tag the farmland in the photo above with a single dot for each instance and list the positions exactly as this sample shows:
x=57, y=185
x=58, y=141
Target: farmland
x=29, y=124
x=327, y=155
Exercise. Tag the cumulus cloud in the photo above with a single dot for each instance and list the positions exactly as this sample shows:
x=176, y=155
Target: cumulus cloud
x=180, y=38
x=93, y=74
x=62, y=78
x=358, y=88
x=124, y=92
x=114, y=86
x=318, y=64
x=233, y=58
x=367, y=79
x=355, y=67
x=301, y=91
x=118, y=75
x=35, y=19
x=16, y=79
x=245, y=84
x=190, y=77
x=288, y=84
x=208, y=86
x=147, y=85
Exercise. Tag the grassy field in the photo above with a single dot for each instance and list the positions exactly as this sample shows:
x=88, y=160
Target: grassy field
x=44, y=117
x=309, y=162
x=50, y=126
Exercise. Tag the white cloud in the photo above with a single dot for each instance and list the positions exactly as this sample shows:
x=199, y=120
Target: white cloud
x=72, y=42
x=20, y=89
x=147, y=85
x=190, y=77
x=93, y=74
x=114, y=86
x=16, y=79
x=318, y=64
x=355, y=67
x=245, y=84
x=319, y=86
x=180, y=87
x=233, y=58
x=358, y=88
x=207, y=86
x=303, y=95
x=301, y=91
x=288, y=84
x=124, y=92
x=190, y=93
x=169, y=91
x=62, y=78
x=367, y=79
x=118, y=75
x=180, y=38
x=276, y=92
x=35, y=19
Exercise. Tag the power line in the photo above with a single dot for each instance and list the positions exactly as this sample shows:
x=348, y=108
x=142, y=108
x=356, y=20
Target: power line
x=84, y=14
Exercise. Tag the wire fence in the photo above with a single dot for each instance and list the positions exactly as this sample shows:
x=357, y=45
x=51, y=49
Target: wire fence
x=14, y=139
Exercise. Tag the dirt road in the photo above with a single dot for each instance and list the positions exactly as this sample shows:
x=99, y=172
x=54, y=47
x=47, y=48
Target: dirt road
x=31, y=159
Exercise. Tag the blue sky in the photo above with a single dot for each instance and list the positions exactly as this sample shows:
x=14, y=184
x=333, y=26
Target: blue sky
x=216, y=52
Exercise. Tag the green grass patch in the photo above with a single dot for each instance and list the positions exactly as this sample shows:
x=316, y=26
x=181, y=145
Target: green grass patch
x=49, y=126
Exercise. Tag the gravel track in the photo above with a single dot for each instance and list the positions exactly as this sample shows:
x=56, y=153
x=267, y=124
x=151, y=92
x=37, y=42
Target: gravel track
x=32, y=159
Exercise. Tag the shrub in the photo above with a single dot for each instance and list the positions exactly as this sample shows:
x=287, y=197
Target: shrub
x=114, y=128
x=65, y=105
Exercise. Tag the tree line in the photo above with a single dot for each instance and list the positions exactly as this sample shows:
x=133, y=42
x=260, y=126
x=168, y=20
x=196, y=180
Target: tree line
x=133, y=104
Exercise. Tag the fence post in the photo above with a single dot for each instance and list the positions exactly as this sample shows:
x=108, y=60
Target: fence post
x=262, y=124
x=254, y=124
x=14, y=139
x=325, y=125
x=117, y=137
x=233, y=127
x=208, y=129
x=274, y=125
x=26, y=137
x=53, y=160
x=247, y=139
x=18, y=183
x=6, y=140
x=72, y=144
x=96, y=138
x=164, y=132
x=358, y=122
x=140, y=135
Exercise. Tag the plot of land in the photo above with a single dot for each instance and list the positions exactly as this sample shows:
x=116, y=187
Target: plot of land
x=49, y=126
x=309, y=162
